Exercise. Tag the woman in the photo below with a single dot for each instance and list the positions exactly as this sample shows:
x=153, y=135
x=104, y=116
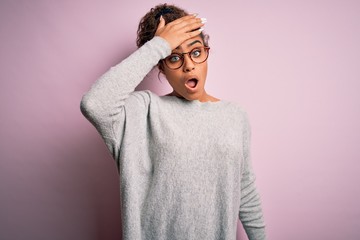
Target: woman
x=183, y=158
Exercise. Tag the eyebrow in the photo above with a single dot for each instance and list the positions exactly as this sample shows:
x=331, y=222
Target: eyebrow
x=196, y=41
x=190, y=44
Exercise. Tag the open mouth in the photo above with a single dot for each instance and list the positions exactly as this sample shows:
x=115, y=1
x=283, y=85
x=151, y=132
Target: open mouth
x=191, y=83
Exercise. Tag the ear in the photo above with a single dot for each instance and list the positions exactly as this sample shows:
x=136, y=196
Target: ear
x=161, y=67
x=161, y=70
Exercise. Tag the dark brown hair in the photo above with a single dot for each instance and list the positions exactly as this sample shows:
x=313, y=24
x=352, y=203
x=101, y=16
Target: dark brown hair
x=149, y=23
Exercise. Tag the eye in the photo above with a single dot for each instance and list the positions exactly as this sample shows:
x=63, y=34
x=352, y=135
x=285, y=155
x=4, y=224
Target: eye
x=174, y=58
x=196, y=53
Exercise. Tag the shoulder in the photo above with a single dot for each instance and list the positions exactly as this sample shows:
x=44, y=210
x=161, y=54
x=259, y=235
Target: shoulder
x=237, y=113
x=235, y=108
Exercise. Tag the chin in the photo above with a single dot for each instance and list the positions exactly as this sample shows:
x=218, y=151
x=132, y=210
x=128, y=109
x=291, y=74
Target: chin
x=189, y=96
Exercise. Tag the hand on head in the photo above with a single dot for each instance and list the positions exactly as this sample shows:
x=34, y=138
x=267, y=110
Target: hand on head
x=180, y=30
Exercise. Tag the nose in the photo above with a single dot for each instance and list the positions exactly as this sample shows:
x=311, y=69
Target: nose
x=188, y=64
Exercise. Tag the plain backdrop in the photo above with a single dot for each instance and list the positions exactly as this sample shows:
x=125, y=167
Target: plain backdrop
x=293, y=65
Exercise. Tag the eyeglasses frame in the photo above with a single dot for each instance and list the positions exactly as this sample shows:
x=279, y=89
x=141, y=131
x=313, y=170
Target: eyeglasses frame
x=183, y=58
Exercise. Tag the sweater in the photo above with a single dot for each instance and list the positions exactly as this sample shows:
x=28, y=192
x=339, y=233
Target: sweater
x=184, y=166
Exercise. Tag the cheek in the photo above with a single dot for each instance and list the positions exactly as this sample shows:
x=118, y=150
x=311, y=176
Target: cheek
x=171, y=76
x=174, y=82
x=204, y=70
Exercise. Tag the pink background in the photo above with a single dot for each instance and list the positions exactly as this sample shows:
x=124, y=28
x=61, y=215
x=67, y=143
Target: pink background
x=293, y=65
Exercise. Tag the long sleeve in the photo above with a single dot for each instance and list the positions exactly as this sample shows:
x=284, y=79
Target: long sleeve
x=250, y=214
x=104, y=104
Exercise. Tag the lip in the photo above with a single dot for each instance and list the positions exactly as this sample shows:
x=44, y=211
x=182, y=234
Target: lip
x=191, y=90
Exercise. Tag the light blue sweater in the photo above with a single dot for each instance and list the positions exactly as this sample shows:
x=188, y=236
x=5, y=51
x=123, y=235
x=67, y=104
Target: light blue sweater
x=184, y=165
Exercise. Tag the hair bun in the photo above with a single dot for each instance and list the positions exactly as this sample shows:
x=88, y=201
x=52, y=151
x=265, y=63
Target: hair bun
x=163, y=12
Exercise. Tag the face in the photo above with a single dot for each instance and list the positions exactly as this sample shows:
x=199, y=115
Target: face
x=188, y=81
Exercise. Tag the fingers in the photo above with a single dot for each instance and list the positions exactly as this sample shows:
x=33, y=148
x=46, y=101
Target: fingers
x=176, y=24
x=190, y=27
x=193, y=26
x=185, y=18
x=188, y=23
x=180, y=29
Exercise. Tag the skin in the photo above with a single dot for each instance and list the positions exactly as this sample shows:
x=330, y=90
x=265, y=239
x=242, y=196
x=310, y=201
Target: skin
x=182, y=38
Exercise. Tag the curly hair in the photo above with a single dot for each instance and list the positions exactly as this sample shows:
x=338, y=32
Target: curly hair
x=149, y=23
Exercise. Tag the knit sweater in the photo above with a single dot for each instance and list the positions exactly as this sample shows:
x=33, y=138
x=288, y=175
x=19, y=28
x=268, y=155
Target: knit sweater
x=184, y=165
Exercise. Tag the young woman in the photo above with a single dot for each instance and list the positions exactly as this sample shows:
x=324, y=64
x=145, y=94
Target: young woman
x=183, y=158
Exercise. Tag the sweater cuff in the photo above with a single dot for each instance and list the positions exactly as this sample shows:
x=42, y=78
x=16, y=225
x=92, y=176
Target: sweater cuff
x=162, y=46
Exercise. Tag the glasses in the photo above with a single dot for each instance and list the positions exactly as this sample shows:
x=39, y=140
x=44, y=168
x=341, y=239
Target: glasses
x=197, y=55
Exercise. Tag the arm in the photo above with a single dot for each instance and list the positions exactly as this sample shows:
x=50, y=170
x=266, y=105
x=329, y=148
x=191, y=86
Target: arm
x=112, y=97
x=250, y=214
x=104, y=104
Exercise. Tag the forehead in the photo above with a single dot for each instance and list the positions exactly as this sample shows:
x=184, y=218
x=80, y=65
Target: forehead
x=197, y=40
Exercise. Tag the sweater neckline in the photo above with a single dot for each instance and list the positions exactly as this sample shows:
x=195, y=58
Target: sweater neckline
x=196, y=103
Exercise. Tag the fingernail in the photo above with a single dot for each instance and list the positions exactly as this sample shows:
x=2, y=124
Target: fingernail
x=203, y=20
x=161, y=17
x=201, y=29
x=194, y=14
